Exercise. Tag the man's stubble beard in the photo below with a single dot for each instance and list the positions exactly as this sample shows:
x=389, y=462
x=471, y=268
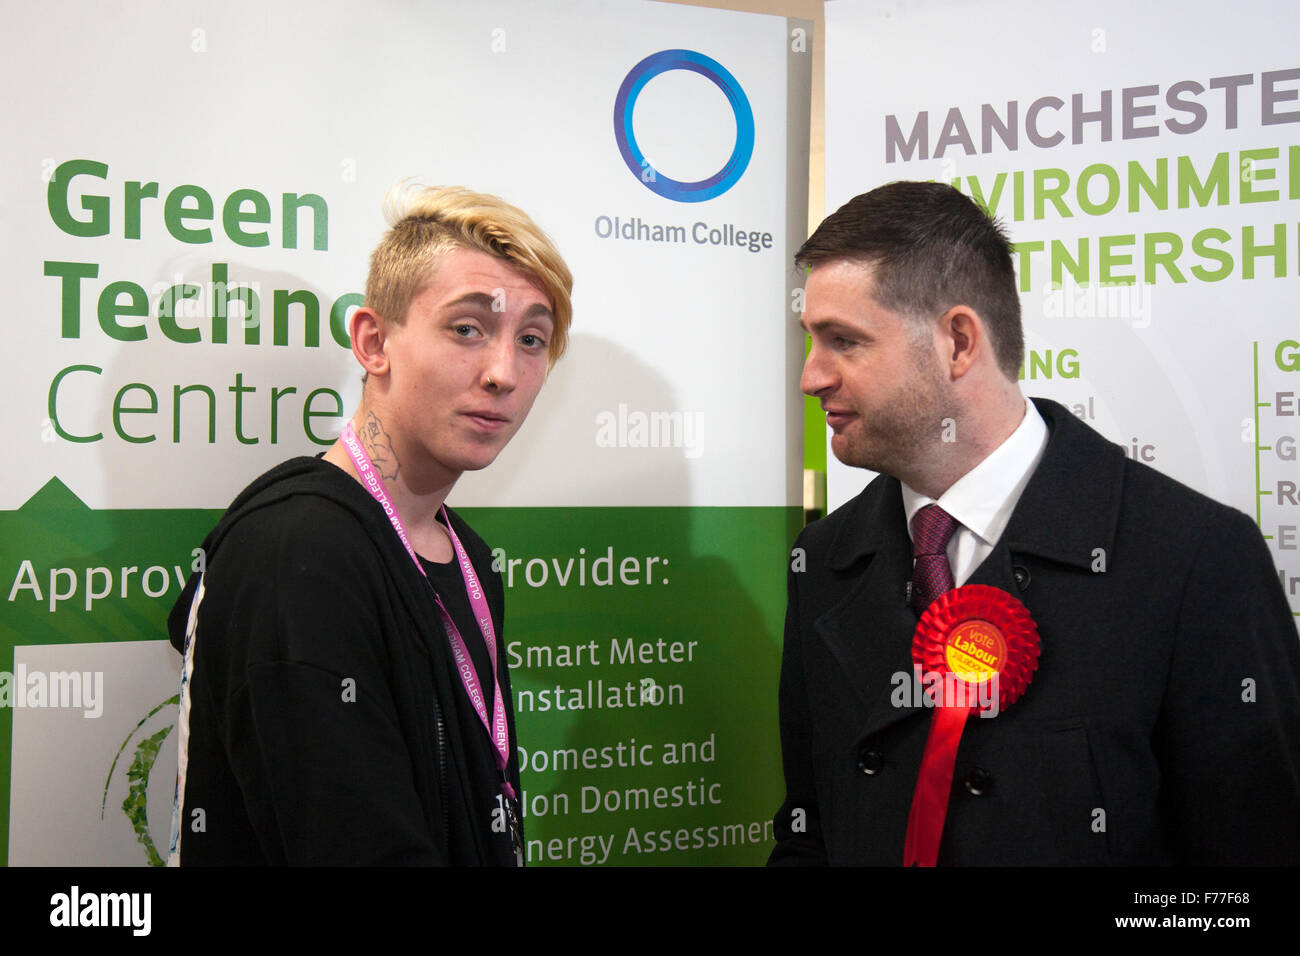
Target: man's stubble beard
x=898, y=438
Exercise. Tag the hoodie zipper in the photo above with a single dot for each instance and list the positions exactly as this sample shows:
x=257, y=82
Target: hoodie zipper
x=441, y=731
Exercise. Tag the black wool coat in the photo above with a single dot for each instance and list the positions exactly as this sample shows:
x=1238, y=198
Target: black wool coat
x=1162, y=725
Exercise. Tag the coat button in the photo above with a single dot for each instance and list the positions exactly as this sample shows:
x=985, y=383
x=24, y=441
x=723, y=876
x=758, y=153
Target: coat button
x=978, y=782
x=871, y=762
x=1022, y=577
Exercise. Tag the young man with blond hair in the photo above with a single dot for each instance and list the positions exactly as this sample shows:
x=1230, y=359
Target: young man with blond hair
x=345, y=698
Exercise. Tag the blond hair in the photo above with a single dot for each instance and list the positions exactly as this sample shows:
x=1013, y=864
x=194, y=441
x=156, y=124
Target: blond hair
x=427, y=222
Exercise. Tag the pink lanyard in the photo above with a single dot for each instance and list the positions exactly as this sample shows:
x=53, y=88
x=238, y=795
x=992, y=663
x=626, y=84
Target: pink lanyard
x=497, y=729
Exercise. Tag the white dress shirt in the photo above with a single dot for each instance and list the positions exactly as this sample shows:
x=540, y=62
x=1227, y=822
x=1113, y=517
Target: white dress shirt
x=982, y=499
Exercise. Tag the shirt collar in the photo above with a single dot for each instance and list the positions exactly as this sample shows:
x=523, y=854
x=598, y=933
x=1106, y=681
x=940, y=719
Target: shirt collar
x=983, y=499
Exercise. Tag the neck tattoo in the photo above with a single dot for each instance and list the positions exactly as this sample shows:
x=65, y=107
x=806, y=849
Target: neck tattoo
x=380, y=447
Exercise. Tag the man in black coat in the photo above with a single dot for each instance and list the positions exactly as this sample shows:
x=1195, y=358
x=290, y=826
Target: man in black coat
x=1162, y=725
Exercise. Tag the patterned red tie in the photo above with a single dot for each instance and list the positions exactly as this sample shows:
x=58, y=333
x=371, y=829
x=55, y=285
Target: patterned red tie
x=931, y=575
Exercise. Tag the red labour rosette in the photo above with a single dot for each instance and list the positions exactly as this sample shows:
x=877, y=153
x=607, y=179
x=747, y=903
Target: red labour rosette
x=973, y=644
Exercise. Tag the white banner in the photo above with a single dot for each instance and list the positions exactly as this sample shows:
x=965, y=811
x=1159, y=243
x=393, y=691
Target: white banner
x=191, y=196
x=171, y=172
x=1146, y=160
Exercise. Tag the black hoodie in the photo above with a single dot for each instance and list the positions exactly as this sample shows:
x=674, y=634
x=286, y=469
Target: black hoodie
x=323, y=721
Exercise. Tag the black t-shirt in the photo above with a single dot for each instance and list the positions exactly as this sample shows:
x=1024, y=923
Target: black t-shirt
x=449, y=584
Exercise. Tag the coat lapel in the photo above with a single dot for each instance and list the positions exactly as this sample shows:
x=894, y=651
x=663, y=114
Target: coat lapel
x=870, y=631
x=1070, y=507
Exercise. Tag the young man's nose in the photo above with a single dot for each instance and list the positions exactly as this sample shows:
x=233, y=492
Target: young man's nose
x=500, y=366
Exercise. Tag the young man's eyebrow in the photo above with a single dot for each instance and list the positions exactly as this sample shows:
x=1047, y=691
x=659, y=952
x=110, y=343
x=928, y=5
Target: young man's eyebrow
x=486, y=302
x=479, y=299
x=539, y=311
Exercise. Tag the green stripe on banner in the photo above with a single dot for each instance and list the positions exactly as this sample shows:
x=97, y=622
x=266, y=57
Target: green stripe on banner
x=645, y=650
x=814, y=427
x=59, y=558
x=644, y=643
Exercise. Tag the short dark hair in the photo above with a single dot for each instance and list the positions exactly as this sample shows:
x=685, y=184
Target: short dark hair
x=931, y=248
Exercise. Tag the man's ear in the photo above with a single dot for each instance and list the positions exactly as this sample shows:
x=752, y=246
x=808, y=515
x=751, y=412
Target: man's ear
x=368, y=333
x=965, y=340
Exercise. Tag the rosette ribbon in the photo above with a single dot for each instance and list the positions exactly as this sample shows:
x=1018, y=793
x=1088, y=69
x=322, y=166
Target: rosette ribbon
x=978, y=643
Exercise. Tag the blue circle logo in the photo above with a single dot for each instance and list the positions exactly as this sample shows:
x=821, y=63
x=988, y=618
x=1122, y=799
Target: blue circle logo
x=669, y=188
